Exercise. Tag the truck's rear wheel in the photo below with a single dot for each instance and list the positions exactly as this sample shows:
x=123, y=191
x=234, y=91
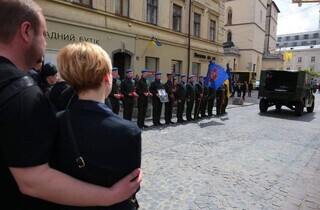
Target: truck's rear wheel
x=311, y=108
x=298, y=109
x=263, y=105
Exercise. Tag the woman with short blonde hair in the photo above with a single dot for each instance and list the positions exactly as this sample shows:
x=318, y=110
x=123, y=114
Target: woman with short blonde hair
x=95, y=145
x=84, y=65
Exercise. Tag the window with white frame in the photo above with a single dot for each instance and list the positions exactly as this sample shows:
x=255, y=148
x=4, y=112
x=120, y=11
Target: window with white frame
x=152, y=11
x=196, y=24
x=122, y=7
x=212, y=30
x=176, y=23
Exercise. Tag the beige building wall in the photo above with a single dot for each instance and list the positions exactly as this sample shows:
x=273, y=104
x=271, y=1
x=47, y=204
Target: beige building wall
x=130, y=36
x=250, y=33
x=271, y=27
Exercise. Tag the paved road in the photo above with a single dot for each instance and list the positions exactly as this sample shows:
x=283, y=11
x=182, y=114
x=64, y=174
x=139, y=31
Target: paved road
x=243, y=160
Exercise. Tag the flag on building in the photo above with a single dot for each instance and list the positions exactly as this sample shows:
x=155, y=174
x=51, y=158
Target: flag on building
x=154, y=42
x=215, y=76
x=288, y=56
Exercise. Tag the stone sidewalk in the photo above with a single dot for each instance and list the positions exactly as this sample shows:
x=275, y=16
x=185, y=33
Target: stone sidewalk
x=305, y=193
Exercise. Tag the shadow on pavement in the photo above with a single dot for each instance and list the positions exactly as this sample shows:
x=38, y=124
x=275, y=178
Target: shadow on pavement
x=288, y=114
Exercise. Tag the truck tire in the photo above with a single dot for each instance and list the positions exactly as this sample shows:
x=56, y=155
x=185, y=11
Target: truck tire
x=311, y=108
x=263, y=105
x=278, y=106
x=298, y=109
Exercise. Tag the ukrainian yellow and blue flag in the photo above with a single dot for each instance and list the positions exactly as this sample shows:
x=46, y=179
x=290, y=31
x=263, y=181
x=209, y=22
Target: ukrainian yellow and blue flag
x=154, y=42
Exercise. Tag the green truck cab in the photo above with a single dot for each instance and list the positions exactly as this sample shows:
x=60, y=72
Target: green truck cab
x=286, y=88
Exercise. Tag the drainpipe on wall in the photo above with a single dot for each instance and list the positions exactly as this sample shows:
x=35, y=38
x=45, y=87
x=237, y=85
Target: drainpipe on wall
x=189, y=37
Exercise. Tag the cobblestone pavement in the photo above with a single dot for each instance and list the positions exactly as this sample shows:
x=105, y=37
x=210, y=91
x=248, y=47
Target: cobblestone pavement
x=243, y=160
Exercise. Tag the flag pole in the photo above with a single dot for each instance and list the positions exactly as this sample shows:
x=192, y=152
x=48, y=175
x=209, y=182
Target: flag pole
x=148, y=46
x=145, y=51
x=197, y=114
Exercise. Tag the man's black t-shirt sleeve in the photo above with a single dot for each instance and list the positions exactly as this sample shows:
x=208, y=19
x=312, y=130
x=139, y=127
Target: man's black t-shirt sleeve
x=28, y=129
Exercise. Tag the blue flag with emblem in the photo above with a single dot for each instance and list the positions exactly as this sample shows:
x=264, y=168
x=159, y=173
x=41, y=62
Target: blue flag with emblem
x=215, y=76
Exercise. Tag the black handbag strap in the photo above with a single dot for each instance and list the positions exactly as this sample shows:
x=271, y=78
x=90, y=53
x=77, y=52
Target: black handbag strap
x=16, y=87
x=79, y=158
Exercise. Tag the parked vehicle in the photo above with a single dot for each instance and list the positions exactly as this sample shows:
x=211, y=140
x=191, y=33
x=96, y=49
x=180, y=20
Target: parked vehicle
x=286, y=88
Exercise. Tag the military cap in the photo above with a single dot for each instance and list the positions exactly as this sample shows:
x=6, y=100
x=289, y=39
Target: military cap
x=183, y=75
x=115, y=69
x=201, y=76
x=191, y=76
x=128, y=71
x=158, y=73
x=169, y=74
x=144, y=70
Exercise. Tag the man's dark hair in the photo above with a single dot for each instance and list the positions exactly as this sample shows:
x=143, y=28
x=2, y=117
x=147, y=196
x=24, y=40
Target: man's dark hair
x=13, y=13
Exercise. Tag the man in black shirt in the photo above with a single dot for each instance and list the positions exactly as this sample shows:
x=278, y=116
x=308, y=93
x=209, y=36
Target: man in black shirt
x=156, y=102
x=181, y=98
x=190, y=93
x=115, y=94
x=129, y=93
x=211, y=97
x=28, y=130
x=168, y=86
x=204, y=101
x=143, y=92
x=199, y=90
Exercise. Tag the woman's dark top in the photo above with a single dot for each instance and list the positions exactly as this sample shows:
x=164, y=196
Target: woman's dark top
x=109, y=145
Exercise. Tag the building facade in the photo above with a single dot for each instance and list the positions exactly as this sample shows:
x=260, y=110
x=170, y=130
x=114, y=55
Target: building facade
x=250, y=34
x=298, y=39
x=302, y=58
x=301, y=51
x=176, y=36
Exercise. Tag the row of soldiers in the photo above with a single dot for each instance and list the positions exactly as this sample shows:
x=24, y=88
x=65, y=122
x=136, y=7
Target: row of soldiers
x=197, y=97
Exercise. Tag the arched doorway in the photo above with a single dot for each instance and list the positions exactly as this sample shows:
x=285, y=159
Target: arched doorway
x=122, y=61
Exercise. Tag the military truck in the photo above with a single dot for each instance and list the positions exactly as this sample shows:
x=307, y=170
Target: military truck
x=289, y=88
